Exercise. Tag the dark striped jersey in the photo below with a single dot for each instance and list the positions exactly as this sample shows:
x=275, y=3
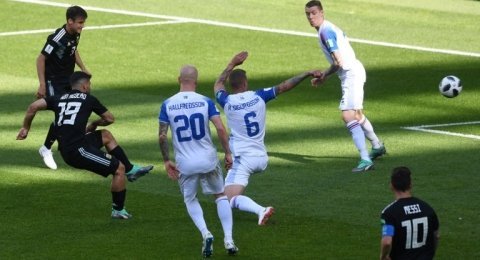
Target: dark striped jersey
x=59, y=51
x=72, y=111
x=411, y=223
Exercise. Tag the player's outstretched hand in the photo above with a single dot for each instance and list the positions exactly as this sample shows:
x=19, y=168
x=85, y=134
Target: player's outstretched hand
x=239, y=58
x=317, y=81
x=316, y=73
x=22, y=134
x=172, y=170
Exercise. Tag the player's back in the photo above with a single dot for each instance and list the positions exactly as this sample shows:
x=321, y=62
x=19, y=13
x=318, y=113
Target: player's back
x=188, y=114
x=246, y=114
x=414, y=223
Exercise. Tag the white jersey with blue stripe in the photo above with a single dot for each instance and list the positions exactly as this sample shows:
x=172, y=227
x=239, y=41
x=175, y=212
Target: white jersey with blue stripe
x=332, y=39
x=246, y=113
x=188, y=114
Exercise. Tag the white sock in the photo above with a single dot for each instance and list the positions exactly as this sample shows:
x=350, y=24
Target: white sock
x=225, y=215
x=196, y=213
x=358, y=138
x=369, y=133
x=245, y=203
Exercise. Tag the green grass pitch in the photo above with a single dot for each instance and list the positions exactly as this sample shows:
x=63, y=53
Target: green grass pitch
x=323, y=210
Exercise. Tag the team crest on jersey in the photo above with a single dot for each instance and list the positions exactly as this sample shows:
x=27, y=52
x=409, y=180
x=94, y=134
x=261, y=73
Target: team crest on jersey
x=330, y=43
x=108, y=156
x=49, y=48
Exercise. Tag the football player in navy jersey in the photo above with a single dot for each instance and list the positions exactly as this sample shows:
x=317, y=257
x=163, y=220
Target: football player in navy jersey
x=246, y=113
x=79, y=142
x=55, y=64
x=409, y=225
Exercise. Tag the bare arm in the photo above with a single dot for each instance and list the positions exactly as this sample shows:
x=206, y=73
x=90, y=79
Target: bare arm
x=170, y=167
x=294, y=81
x=32, y=110
x=104, y=120
x=41, y=92
x=238, y=59
x=223, y=137
x=337, y=64
x=386, y=247
x=79, y=62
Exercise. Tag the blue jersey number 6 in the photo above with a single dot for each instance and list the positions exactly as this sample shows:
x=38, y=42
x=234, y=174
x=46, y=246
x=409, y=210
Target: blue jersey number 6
x=252, y=127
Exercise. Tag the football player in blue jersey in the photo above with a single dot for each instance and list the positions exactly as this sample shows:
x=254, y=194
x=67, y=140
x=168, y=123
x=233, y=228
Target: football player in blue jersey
x=246, y=111
x=339, y=53
x=196, y=163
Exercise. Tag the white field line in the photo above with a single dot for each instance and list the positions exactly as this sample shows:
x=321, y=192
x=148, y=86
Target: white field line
x=252, y=28
x=425, y=128
x=101, y=27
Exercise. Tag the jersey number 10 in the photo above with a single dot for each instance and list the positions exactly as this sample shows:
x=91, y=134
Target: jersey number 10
x=413, y=227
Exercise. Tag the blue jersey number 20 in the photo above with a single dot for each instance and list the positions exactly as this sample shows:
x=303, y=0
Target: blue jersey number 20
x=196, y=123
x=253, y=128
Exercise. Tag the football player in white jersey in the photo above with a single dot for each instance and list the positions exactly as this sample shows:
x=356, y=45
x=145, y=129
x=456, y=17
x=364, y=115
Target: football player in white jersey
x=196, y=163
x=340, y=55
x=245, y=111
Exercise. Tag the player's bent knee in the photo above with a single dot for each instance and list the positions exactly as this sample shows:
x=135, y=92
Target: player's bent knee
x=120, y=170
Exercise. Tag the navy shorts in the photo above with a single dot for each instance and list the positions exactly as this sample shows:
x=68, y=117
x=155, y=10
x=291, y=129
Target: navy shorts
x=89, y=157
x=57, y=88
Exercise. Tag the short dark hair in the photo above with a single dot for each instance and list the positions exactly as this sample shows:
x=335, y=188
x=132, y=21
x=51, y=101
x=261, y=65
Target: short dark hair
x=401, y=180
x=314, y=3
x=78, y=76
x=74, y=12
x=237, y=78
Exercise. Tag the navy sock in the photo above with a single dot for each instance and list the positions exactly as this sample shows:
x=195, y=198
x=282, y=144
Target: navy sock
x=51, y=137
x=118, y=199
x=121, y=156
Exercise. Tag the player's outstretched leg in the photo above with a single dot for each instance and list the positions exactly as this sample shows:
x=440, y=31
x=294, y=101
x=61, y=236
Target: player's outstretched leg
x=137, y=172
x=265, y=215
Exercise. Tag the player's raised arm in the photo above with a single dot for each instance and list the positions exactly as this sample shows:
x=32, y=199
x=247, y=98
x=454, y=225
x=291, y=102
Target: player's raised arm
x=294, y=81
x=238, y=59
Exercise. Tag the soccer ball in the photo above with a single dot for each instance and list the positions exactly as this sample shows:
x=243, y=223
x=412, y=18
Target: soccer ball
x=450, y=86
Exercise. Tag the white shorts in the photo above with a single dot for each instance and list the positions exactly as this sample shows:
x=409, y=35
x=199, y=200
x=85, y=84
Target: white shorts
x=243, y=167
x=211, y=183
x=352, y=88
